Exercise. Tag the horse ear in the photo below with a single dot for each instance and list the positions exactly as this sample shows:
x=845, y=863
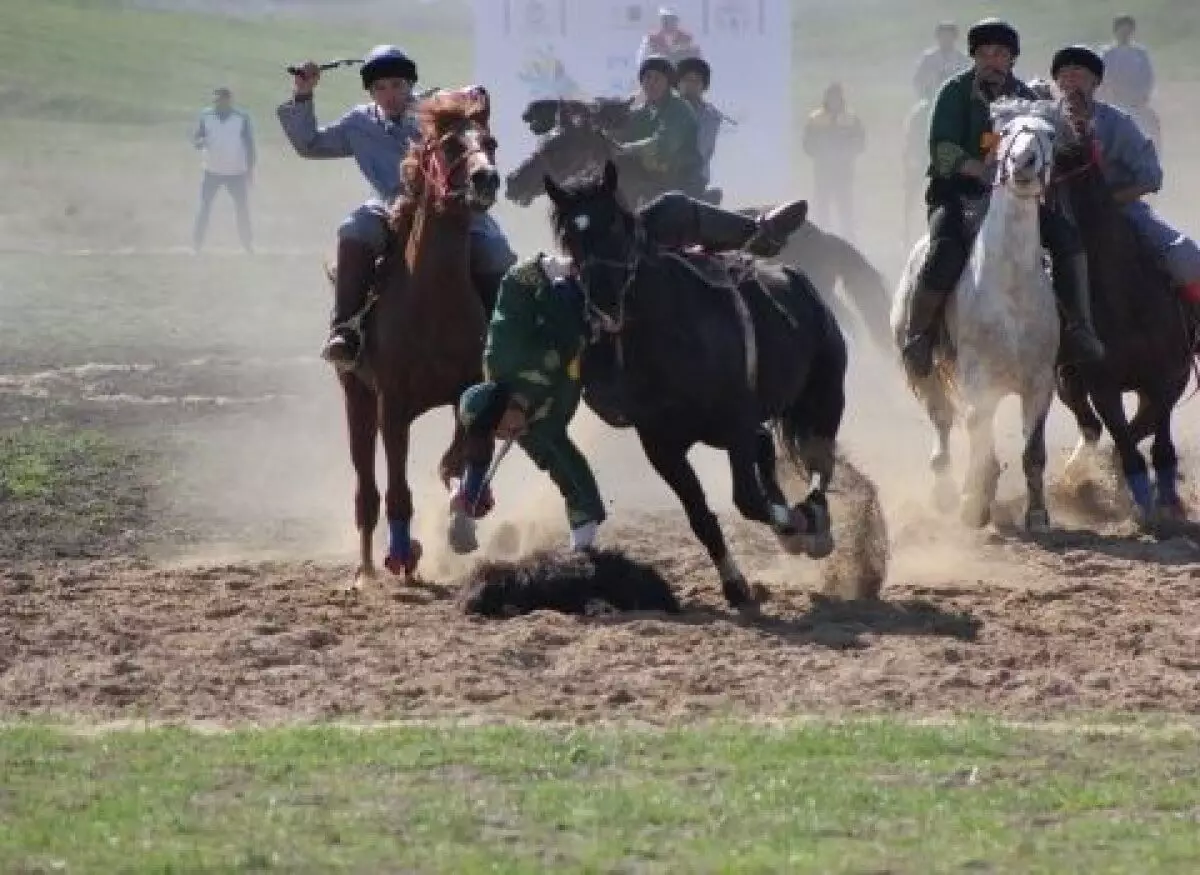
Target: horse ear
x=610, y=177
x=556, y=194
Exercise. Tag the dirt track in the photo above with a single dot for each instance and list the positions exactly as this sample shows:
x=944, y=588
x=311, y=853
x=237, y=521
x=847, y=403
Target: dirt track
x=1074, y=623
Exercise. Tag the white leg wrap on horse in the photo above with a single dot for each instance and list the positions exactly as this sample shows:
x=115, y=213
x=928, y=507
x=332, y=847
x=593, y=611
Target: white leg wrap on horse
x=583, y=537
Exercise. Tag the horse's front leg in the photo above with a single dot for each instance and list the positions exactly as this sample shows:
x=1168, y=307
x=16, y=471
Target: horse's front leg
x=362, y=421
x=404, y=551
x=668, y=456
x=1035, y=406
x=983, y=470
x=1081, y=464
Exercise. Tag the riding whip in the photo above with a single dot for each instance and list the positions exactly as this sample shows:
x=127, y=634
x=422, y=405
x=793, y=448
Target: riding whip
x=296, y=70
x=491, y=471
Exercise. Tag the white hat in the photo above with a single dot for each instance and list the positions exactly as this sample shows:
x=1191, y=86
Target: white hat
x=667, y=12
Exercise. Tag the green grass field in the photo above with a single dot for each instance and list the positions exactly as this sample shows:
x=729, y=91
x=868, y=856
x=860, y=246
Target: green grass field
x=859, y=797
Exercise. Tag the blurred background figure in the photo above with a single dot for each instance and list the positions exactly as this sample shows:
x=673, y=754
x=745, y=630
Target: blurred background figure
x=225, y=138
x=1129, y=79
x=670, y=41
x=939, y=62
x=834, y=137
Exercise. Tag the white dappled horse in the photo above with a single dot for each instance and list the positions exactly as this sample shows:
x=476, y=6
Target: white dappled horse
x=1002, y=321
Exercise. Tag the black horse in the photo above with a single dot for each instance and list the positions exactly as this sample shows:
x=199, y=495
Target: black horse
x=1145, y=331
x=701, y=361
x=577, y=136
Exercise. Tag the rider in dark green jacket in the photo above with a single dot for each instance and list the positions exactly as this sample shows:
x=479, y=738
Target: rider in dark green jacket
x=960, y=148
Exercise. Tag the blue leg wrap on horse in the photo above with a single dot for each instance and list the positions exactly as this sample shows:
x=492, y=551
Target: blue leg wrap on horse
x=1167, y=477
x=473, y=483
x=1139, y=485
x=399, y=539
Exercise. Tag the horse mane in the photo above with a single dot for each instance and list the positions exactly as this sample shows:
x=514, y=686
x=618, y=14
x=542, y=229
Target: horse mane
x=1006, y=109
x=437, y=114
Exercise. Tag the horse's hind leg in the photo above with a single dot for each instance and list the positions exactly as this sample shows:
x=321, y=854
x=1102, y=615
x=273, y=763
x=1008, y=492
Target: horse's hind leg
x=940, y=410
x=1035, y=406
x=1166, y=462
x=1112, y=413
x=404, y=551
x=1081, y=465
x=669, y=458
x=362, y=421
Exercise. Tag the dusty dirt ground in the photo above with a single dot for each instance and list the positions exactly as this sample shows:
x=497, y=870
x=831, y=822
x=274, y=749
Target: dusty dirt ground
x=214, y=590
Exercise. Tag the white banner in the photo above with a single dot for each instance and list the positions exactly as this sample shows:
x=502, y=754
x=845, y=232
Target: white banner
x=530, y=49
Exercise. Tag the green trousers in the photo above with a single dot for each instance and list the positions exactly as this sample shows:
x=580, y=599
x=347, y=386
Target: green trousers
x=551, y=449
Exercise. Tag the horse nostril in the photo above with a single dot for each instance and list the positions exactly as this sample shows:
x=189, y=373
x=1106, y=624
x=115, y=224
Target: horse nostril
x=486, y=179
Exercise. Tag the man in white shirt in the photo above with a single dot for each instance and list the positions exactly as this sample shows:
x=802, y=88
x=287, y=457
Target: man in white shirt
x=226, y=138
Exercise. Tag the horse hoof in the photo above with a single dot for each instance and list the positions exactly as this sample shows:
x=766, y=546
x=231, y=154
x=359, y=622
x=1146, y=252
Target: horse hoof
x=1172, y=512
x=1037, y=520
x=976, y=515
x=738, y=594
x=461, y=534
x=399, y=565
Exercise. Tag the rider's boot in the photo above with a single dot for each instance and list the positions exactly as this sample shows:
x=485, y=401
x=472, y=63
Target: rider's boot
x=1073, y=290
x=935, y=283
x=352, y=282
x=775, y=226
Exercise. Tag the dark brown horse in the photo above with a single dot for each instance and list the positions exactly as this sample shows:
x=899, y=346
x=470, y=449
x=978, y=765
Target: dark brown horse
x=425, y=332
x=1146, y=335
x=580, y=136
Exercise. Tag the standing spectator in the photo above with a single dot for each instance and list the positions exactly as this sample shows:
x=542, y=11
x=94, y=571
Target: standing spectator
x=226, y=138
x=1128, y=73
x=670, y=41
x=939, y=62
x=834, y=138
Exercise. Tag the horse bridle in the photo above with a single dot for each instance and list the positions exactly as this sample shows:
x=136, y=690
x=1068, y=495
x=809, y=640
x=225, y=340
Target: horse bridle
x=601, y=321
x=438, y=174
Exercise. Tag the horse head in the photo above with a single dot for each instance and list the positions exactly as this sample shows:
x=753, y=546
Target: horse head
x=454, y=163
x=596, y=230
x=575, y=136
x=1030, y=132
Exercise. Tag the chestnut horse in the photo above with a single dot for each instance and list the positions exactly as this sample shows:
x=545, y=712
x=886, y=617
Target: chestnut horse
x=425, y=330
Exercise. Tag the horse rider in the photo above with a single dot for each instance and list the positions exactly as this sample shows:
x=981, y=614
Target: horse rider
x=939, y=62
x=662, y=134
x=536, y=339
x=695, y=78
x=377, y=135
x=1129, y=76
x=670, y=41
x=961, y=145
x=1128, y=160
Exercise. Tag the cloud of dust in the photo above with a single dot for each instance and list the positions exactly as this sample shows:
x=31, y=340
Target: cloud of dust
x=276, y=480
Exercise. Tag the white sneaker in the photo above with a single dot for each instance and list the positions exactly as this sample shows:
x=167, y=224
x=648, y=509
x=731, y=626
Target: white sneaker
x=582, y=537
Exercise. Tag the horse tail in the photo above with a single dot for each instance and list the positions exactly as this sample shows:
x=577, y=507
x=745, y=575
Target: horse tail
x=865, y=286
x=807, y=431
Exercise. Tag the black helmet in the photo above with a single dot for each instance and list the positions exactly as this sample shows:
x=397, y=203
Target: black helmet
x=695, y=65
x=1077, y=56
x=386, y=62
x=661, y=64
x=993, y=32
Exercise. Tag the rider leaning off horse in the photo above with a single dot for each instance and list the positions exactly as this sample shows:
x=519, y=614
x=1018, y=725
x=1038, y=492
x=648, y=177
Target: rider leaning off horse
x=537, y=336
x=1129, y=162
x=962, y=160
x=377, y=135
